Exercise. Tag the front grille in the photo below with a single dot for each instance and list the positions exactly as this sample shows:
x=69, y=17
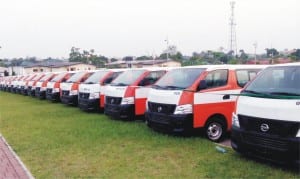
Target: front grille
x=84, y=95
x=49, y=90
x=37, y=89
x=276, y=127
x=161, y=108
x=113, y=100
x=65, y=93
x=266, y=142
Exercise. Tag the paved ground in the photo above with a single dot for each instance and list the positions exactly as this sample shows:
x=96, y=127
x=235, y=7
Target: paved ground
x=11, y=166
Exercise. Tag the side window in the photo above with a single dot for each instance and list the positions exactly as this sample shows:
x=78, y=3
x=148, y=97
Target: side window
x=152, y=77
x=216, y=78
x=244, y=76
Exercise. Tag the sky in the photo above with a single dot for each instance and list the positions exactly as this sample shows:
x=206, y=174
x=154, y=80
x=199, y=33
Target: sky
x=117, y=28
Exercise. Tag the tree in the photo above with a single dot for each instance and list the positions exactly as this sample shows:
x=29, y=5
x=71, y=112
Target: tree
x=296, y=55
x=144, y=58
x=243, y=56
x=272, y=52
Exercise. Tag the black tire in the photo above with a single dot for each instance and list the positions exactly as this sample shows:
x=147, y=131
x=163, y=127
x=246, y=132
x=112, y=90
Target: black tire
x=215, y=129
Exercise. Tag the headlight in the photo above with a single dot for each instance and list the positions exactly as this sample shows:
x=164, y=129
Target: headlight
x=298, y=133
x=73, y=92
x=184, y=109
x=33, y=88
x=147, y=107
x=55, y=90
x=235, y=120
x=94, y=96
x=128, y=100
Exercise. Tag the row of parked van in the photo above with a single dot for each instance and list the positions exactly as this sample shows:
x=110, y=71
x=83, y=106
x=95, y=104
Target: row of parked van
x=263, y=117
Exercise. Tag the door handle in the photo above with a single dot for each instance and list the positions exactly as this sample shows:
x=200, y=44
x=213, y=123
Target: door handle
x=226, y=96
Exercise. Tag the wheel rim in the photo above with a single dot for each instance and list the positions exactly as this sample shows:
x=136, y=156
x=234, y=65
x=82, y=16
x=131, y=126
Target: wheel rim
x=214, y=131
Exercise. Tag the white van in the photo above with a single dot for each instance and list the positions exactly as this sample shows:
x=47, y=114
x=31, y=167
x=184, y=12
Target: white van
x=121, y=100
x=91, y=91
x=266, y=121
x=196, y=97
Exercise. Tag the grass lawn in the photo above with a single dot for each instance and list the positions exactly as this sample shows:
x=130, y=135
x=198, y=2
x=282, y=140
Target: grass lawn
x=58, y=141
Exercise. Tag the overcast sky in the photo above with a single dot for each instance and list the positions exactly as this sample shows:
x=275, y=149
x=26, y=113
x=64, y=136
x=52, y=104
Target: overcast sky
x=116, y=28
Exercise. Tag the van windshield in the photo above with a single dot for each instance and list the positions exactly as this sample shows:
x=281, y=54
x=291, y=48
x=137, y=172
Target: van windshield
x=76, y=77
x=58, y=77
x=277, y=82
x=127, y=77
x=46, y=77
x=96, y=77
x=179, y=78
x=37, y=77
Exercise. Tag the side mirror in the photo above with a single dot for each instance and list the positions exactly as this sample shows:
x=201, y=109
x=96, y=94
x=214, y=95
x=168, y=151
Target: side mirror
x=202, y=85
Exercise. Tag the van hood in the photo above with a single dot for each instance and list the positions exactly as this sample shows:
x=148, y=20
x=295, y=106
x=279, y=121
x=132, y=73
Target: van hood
x=115, y=91
x=89, y=88
x=66, y=86
x=277, y=109
x=164, y=96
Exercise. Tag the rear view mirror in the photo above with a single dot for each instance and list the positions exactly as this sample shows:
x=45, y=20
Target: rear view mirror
x=202, y=85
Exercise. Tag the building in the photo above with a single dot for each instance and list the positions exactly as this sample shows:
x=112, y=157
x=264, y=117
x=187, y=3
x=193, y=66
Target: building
x=143, y=63
x=2, y=70
x=57, y=67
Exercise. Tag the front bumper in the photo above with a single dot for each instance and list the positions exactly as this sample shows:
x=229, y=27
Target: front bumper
x=53, y=96
x=125, y=111
x=31, y=92
x=70, y=100
x=89, y=104
x=266, y=147
x=169, y=123
x=40, y=94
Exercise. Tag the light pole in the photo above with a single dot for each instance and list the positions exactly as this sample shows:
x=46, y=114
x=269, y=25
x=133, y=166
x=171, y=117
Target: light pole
x=255, y=46
x=167, y=41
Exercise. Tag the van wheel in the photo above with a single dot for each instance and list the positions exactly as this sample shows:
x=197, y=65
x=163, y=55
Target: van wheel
x=215, y=129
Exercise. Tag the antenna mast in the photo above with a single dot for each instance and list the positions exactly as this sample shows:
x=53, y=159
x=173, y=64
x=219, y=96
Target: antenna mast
x=232, y=24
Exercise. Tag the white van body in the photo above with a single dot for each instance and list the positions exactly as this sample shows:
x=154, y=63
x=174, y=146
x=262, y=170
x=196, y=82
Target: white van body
x=266, y=121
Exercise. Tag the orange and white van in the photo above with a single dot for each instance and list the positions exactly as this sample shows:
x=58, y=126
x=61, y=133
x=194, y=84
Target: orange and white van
x=41, y=85
x=69, y=89
x=121, y=99
x=53, y=86
x=197, y=97
x=32, y=83
x=24, y=84
x=91, y=92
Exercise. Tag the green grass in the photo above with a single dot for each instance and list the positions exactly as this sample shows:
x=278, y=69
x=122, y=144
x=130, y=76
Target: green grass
x=57, y=141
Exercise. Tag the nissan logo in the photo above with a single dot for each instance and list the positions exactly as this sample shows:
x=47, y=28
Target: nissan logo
x=264, y=127
x=159, y=109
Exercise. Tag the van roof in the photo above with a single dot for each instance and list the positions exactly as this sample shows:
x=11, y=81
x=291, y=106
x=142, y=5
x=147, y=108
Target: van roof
x=226, y=66
x=288, y=64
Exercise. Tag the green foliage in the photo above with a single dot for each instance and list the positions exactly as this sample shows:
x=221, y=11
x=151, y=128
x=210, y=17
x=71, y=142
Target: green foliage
x=295, y=56
x=272, y=52
x=87, y=57
x=144, y=58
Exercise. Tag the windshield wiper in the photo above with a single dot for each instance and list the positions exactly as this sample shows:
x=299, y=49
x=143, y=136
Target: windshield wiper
x=251, y=91
x=173, y=87
x=156, y=86
x=90, y=82
x=284, y=93
x=118, y=84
